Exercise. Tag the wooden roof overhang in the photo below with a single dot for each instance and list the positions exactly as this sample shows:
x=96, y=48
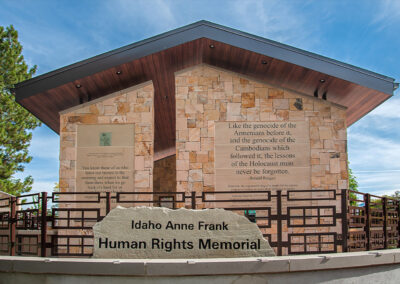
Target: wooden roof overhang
x=159, y=57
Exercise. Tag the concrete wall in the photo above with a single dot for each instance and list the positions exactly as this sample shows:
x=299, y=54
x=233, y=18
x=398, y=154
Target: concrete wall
x=361, y=267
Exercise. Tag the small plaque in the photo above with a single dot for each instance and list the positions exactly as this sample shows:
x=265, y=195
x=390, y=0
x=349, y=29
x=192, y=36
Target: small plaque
x=105, y=139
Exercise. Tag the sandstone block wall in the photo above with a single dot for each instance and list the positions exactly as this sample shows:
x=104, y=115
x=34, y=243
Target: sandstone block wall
x=205, y=95
x=132, y=105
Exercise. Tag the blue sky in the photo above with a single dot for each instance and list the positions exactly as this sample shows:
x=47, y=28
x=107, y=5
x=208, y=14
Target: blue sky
x=363, y=33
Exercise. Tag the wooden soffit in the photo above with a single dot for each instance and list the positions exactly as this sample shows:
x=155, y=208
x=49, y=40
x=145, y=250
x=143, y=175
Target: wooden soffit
x=158, y=58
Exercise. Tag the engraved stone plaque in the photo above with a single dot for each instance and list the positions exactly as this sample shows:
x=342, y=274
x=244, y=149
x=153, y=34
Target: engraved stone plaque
x=262, y=156
x=153, y=232
x=105, y=157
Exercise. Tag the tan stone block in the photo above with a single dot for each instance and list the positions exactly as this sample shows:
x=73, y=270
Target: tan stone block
x=211, y=115
x=211, y=156
x=195, y=175
x=191, y=123
x=143, y=148
x=147, y=117
x=248, y=100
x=88, y=118
x=180, y=104
x=324, y=158
x=133, y=117
x=296, y=115
x=196, y=186
x=142, y=179
x=233, y=109
x=275, y=93
x=314, y=161
x=316, y=144
x=118, y=119
x=207, y=144
x=261, y=93
x=182, y=90
x=266, y=105
x=183, y=135
x=182, y=165
x=343, y=184
x=280, y=103
x=192, y=157
x=252, y=114
x=194, y=134
x=325, y=132
x=182, y=175
x=109, y=109
x=195, y=166
x=141, y=108
x=182, y=186
x=329, y=145
x=208, y=168
x=94, y=110
x=334, y=165
x=181, y=123
x=202, y=157
x=282, y=114
x=208, y=179
x=192, y=146
x=123, y=108
x=139, y=163
x=314, y=133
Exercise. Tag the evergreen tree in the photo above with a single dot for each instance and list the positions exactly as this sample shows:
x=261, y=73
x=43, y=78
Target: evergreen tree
x=16, y=123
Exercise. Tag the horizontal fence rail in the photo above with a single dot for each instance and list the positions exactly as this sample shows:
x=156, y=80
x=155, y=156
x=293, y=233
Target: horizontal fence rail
x=293, y=221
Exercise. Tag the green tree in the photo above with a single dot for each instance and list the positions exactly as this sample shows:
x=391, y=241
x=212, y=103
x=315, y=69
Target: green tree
x=353, y=184
x=16, y=123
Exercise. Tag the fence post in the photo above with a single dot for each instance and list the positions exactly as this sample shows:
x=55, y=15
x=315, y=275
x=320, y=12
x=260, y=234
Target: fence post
x=367, y=228
x=13, y=219
x=193, y=200
x=385, y=219
x=279, y=221
x=43, y=228
x=108, y=202
x=398, y=222
x=344, y=219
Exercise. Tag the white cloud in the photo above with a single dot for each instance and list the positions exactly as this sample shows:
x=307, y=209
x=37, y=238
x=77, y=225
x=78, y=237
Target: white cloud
x=388, y=13
x=157, y=14
x=389, y=109
x=275, y=19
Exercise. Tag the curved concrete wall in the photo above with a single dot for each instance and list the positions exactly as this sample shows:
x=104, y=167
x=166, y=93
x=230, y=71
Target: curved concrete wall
x=360, y=267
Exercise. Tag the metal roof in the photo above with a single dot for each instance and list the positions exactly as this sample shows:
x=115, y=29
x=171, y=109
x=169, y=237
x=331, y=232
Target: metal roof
x=205, y=29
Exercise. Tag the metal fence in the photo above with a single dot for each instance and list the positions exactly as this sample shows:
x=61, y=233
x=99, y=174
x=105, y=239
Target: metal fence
x=294, y=222
x=373, y=222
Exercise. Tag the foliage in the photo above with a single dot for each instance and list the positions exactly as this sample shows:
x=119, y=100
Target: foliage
x=16, y=123
x=353, y=185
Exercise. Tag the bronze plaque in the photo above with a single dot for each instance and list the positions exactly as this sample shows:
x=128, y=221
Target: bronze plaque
x=262, y=155
x=105, y=157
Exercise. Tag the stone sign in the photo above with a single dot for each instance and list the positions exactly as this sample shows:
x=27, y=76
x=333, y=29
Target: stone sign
x=262, y=155
x=154, y=232
x=105, y=157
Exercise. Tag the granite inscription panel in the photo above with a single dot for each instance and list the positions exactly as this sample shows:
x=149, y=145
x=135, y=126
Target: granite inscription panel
x=262, y=155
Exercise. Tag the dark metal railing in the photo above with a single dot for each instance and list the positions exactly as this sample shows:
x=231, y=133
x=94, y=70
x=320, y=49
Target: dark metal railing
x=294, y=222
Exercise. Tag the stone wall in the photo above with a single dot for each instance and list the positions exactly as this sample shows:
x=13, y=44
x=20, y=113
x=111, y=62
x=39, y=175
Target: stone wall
x=133, y=105
x=206, y=95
